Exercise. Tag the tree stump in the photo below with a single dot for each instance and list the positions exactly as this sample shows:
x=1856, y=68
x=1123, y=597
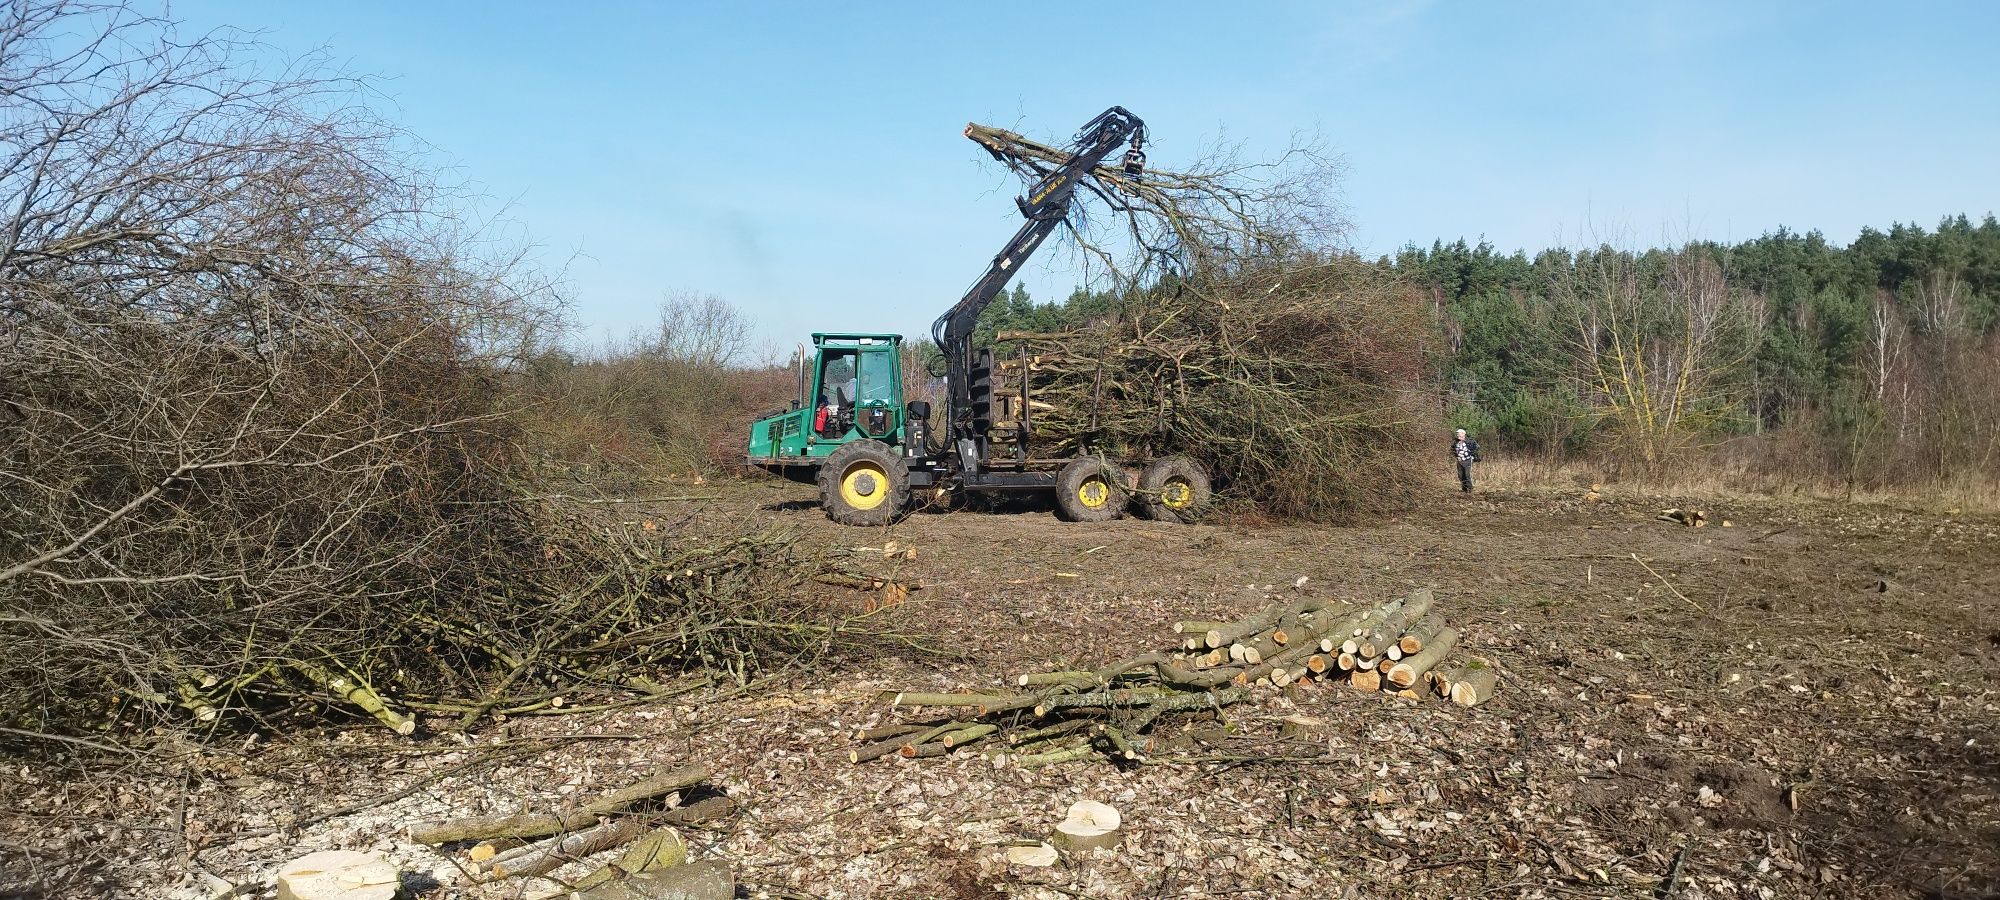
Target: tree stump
x=338, y=875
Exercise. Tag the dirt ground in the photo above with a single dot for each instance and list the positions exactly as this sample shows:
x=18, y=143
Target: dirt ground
x=1802, y=702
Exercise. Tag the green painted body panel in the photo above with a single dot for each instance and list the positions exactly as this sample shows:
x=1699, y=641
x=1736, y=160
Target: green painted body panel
x=872, y=366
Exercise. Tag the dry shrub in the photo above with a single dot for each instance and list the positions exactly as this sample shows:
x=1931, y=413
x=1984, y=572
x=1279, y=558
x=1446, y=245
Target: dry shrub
x=1294, y=382
x=674, y=400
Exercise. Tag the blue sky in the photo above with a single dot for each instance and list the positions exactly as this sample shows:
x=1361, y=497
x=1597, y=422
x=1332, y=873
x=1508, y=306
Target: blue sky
x=804, y=161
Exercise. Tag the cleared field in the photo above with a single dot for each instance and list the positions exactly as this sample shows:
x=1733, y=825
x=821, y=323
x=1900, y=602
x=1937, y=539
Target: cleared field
x=1805, y=703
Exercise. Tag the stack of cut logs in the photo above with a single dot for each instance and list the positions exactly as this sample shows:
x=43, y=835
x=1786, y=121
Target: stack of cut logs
x=642, y=818
x=1397, y=646
x=1052, y=717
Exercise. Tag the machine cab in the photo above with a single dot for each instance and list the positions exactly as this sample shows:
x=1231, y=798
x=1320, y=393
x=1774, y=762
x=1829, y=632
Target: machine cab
x=851, y=389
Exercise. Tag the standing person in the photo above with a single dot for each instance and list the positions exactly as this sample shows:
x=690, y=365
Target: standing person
x=1466, y=452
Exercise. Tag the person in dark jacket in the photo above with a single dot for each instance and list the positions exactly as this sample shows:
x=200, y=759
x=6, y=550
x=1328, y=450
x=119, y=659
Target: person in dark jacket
x=1465, y=451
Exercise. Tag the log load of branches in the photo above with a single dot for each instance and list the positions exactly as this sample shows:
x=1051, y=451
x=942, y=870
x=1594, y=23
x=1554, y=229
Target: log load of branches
x=1121, y=710
x=1242, y=335
x=1291, y=383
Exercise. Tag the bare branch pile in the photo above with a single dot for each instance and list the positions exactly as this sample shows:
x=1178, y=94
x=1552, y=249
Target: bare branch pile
x=257, y=460
x=1245, y=338
x=1117, y=711
x=1292, y=383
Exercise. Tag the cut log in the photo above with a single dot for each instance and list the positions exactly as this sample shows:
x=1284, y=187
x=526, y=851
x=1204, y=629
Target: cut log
x=1474, y=686
x=1293, y=654
x=533, y=825
x=554, y=854
x=1405, y=673
x=1365, y=680
x=1307, y=623
x=1053, y=731
x=1341, y=628
x=1369, y=625
x=877, y=750
x=1122, y=697
x=338, y=875
x=1198, y=627
x=886, y=731
x=354, y=691
x=518, y=825
x=1200, y=680
x=968, y=734
x=1121, y=746
x=1171, y=701
x=1413, y=640
x=1317, y=663
x=922, y=751
x=1414, y=608
x=1259, y=622
x=1044, y=679
x=1266, y=645
x=985, y=703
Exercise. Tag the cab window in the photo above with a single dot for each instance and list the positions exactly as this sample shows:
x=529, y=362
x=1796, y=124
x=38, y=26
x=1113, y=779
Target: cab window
x=877, y=384
x=836, y=379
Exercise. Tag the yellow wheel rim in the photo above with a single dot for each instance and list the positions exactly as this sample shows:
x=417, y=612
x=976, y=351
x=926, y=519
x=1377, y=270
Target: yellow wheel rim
x=1177, y=495
x=864, y=485
x=1093, y=493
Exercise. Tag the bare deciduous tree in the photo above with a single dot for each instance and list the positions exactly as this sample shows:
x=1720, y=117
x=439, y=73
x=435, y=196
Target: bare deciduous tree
x=1656, y=350
x=246, y=366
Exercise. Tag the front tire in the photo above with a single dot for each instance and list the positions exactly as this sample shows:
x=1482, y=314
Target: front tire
x=1174, y=489
x=1088, y=490
x=864, y=483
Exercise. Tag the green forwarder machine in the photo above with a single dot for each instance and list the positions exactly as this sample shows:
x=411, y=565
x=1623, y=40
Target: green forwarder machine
x=850, y=432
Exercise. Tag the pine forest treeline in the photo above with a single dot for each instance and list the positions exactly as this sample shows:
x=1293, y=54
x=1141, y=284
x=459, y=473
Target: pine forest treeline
x=1871, y=364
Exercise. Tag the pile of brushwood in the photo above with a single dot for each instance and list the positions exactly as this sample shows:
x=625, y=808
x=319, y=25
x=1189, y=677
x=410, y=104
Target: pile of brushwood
x=261, y=457
x=1291, y=383
x=1117, y=711
x=1244, y=336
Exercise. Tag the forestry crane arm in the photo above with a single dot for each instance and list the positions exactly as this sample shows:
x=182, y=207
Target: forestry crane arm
x=1045, y=205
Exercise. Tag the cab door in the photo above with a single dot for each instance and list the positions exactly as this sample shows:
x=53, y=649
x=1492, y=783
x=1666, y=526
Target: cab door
x=878, y=388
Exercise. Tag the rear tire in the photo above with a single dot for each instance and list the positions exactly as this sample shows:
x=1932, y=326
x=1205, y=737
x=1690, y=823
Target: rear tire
x=864, y=483
x=1174, y=489
x=1088, y=490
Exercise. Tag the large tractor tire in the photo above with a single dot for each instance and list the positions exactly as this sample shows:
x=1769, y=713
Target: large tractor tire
x=864, y=483
x=1087, y=490
x=1174, y=489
